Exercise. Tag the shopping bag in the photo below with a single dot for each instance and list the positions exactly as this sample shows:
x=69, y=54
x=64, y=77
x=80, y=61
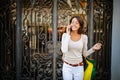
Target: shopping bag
x=89, y=69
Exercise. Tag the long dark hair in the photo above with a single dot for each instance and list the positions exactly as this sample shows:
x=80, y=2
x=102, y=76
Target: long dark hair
x=81, y=23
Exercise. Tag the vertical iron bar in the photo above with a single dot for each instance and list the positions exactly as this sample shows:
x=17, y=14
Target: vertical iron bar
x=18, y=39
x=54, y=33
x=90, y=24
x=1, y=43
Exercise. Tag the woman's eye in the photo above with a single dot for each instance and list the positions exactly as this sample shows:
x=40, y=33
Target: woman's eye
x=76, y=23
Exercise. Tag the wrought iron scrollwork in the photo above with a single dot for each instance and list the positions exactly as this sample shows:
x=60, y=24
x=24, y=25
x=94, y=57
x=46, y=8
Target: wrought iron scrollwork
x=102, y=30
x=7, y=44
x=38, y=47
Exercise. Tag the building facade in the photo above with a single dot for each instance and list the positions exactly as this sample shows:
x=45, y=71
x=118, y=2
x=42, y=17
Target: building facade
x=31, y=30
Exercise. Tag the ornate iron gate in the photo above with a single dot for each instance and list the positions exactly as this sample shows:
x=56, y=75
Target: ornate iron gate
x=40, y=23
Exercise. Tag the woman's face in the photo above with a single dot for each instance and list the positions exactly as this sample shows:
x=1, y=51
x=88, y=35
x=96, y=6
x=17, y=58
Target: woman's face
x=75, y=24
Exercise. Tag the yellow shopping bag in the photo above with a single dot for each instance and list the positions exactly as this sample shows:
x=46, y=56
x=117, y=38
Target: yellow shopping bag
x=89, y=72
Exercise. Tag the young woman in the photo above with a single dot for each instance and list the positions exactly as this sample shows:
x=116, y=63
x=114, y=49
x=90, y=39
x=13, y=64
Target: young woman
x=74, y=45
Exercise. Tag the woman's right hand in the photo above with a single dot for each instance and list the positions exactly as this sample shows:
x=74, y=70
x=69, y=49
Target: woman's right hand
x=68, y=29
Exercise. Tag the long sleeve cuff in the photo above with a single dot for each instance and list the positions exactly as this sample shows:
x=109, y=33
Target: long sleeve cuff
x=89, y=52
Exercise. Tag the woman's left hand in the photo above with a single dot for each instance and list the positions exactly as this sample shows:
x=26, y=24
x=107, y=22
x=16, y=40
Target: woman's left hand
x=97, y=46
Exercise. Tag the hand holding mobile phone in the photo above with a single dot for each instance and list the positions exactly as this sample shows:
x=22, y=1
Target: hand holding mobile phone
x=68, y=29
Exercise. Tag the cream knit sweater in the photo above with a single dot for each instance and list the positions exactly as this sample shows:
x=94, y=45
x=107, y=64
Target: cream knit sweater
x=73, y=50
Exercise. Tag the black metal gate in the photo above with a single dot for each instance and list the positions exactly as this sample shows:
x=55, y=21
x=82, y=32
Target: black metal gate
x=30, y=36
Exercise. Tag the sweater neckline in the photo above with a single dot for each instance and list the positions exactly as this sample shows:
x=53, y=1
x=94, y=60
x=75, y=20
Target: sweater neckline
x=77, y=40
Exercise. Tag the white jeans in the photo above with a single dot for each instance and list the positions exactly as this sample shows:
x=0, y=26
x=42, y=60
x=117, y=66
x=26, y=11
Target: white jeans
x=72, y=73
